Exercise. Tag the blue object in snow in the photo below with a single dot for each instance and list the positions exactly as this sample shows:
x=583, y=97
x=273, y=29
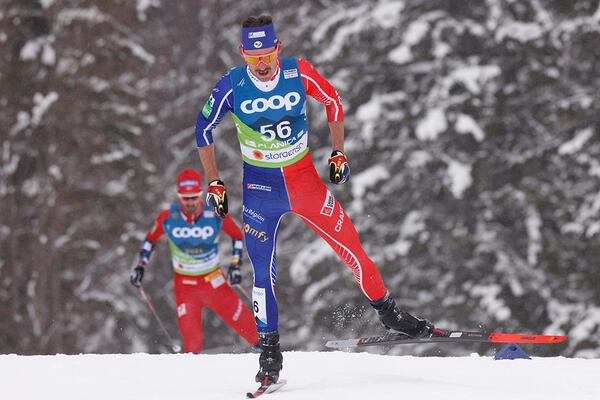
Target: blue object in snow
x=510, y=352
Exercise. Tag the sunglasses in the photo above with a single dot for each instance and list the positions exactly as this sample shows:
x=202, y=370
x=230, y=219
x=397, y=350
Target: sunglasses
x=189, y=198
x=267, y=58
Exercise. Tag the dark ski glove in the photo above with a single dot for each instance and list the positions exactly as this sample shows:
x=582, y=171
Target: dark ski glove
x=234, y=276
x=339, y=170
x=216, y=196
x=137, y=274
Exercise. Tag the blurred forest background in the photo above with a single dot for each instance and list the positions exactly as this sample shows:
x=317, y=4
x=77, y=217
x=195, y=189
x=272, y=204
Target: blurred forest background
x=472, y=132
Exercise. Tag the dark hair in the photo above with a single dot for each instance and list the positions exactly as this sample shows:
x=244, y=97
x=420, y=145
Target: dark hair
x=255, y=22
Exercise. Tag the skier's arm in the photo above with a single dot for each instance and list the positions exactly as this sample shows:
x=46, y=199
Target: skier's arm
x=137, y=274
x=231, y=228
x=207, y=158
x=235, y=233
x=319, y=88
x=152, y=237
x=219, y=102
x=337, y=135
x=234, y=276
x=217, y=105
x=216, y=194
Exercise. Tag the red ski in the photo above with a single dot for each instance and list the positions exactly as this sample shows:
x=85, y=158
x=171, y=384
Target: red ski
x=517, y=338
x=440, y=336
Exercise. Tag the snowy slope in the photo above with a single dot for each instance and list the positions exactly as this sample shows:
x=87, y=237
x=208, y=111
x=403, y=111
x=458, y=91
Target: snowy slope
x=310, y=375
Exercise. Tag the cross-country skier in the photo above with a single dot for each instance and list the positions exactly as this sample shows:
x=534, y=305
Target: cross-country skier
x=267, y=100
x=199, y=282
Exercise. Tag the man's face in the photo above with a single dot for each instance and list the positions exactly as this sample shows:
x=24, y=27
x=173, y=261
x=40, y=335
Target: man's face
x=265, y=68
x=191, y=204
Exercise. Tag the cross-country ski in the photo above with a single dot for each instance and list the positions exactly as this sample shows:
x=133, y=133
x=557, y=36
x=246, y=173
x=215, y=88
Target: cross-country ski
x=441, y=336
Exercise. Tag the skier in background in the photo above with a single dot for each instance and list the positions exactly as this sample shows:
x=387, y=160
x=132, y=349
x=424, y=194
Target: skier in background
x=199, y=282
x=267, y=100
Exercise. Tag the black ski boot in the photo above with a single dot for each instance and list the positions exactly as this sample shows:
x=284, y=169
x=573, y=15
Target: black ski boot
x=401, y=321
x=270, y=360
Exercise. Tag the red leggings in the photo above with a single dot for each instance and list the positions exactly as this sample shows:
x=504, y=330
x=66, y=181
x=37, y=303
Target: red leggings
x=193, y=293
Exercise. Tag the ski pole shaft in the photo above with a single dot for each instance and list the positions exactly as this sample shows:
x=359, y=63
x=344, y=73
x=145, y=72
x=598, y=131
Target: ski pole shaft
x=244, y=292
x=176, y=348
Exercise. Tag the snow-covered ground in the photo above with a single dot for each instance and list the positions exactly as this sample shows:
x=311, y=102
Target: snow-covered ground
x=310, y=375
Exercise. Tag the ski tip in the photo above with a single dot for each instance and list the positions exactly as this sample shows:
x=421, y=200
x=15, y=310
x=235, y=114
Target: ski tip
x=266, y=389
x=524, y=338
x=254, y=395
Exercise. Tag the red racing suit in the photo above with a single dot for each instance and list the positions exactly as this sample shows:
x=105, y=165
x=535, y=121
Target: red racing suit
x=199, y=281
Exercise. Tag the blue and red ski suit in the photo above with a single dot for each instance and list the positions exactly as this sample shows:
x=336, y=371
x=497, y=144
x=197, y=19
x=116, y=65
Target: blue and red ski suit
x=279, y=175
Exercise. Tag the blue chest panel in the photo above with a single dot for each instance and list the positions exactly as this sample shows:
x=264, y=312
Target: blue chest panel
x=255, y=107
x=271, y=126
x=193, y=239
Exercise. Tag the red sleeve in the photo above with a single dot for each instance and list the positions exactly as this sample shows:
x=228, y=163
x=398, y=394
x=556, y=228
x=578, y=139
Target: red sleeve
x=231, y=228
x=157, y=229
x=318, y=87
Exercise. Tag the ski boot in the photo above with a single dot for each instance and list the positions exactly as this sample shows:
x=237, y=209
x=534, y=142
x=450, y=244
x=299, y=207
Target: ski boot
x=401, y=321
x=270, y=360
x=257, y=347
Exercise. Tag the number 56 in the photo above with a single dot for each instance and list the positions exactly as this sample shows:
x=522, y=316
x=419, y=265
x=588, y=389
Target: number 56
x=282, y=131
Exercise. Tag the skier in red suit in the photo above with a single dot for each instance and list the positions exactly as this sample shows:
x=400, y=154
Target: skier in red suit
x=193, y=234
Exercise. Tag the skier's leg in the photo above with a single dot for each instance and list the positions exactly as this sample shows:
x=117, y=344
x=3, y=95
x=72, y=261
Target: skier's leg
x=266, y=313
x=189, y=312
x=260, y=246
x=265, y=202
x=223, y=300
x=317, y=206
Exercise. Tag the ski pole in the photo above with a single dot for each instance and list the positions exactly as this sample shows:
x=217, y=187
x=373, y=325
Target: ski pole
x=244, y=292
x=175, y=347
